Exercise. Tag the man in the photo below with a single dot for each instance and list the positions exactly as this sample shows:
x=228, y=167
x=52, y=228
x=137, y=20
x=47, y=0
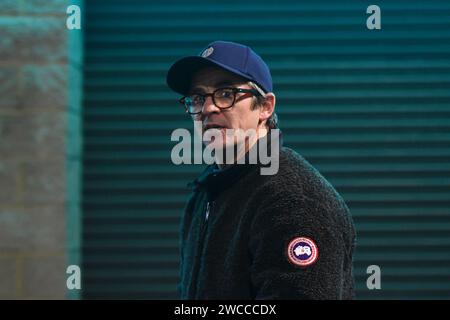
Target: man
x=246, y=235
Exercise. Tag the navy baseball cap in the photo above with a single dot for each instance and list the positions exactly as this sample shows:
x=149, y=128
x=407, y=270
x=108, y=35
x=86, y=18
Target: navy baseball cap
x=234, y=57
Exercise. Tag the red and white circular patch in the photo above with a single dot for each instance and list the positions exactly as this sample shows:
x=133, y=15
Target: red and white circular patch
x=302, y=251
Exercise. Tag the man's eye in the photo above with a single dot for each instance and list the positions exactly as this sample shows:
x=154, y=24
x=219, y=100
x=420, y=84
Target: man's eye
x=197, y=99
x=225, y=94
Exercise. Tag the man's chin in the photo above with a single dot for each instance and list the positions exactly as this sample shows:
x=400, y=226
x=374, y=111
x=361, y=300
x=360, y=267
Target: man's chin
x=226, y=153
x=218, y=144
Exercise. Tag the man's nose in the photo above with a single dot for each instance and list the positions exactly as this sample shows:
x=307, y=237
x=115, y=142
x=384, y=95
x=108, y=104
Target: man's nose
x=209, y=106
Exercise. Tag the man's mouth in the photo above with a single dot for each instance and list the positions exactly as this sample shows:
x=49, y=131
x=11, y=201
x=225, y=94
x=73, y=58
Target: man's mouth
x=213, y=126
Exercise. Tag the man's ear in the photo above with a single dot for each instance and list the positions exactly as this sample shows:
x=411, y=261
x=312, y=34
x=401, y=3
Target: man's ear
x=267, y=108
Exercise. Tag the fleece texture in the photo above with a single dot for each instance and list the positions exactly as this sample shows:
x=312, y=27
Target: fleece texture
x=240, y=250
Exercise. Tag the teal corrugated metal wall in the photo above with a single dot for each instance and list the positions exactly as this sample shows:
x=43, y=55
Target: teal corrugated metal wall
x=370, y=109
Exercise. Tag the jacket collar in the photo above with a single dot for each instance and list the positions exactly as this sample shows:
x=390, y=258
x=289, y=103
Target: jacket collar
x=215, y=180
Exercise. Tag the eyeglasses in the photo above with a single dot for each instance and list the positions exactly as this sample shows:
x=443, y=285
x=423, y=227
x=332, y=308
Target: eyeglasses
x=223, y=98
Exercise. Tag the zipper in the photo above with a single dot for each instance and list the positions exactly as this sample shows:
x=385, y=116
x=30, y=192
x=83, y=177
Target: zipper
x=208, y=207
x=204, y=227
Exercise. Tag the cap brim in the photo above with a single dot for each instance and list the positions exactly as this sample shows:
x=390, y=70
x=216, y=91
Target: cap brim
x=180, y=74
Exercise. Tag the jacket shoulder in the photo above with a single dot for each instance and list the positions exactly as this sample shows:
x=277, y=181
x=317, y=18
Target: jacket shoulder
x=299, y=186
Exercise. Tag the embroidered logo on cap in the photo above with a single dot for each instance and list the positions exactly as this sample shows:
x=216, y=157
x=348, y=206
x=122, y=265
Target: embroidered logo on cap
x=302, y=251
x=207, y=52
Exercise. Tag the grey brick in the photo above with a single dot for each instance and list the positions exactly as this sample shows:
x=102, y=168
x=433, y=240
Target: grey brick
x=9, y=179
x=48, y=42
x=45, y=86
x=33, y=228
x=44, y=182
x=9, y=7
x=29, y=39
x=45, y=6
x=9, y=88
x=14, y=32
x=8, y=276
x=33, y=136
x=45, y=277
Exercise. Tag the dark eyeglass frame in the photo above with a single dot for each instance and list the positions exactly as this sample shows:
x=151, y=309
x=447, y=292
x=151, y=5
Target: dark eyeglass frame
x=204, y=96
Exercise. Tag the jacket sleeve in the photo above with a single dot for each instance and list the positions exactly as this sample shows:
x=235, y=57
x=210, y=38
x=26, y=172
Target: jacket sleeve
x=284, y=220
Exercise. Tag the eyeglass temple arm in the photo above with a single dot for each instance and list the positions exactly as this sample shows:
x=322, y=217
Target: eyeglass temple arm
x=257, y=88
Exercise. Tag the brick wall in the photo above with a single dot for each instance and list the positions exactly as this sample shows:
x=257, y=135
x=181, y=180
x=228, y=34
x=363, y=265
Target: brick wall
x=40, y=94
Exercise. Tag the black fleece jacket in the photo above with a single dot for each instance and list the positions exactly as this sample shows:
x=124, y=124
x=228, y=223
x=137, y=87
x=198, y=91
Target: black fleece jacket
x=241, y=232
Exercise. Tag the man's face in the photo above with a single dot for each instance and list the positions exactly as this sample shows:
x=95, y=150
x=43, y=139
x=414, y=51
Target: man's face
x=239, y=116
